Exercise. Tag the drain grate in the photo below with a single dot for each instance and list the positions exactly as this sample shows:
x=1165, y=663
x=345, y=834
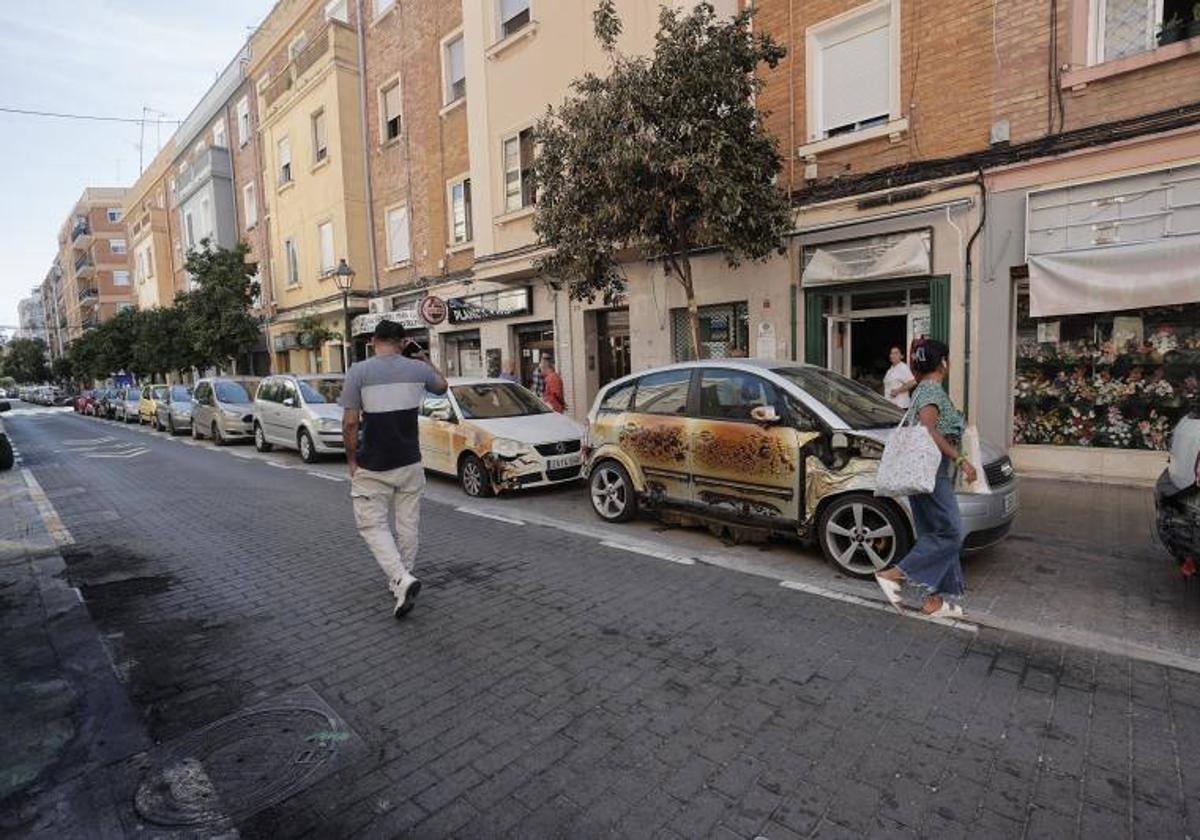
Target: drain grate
x=241, y=764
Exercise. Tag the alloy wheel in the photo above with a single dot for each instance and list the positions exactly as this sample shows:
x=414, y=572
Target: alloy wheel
x=610, y=495
x=859, y=538
x=472, y=478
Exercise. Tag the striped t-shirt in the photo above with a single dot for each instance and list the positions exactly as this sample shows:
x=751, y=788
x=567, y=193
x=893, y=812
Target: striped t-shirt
x=388, y=390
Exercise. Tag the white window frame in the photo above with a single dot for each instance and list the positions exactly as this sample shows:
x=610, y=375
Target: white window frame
x=284, y=169
x=500, y=34
x=250, y=204
x=243, y=120
x=120, y=277
x=114, y=214
x=118, y=246
x=814, y=107
x=189, y=229
x=1096, y=10
x=296, y=46
x=504, y=171
x=220, y=137
x=328, y=256
x=394, y=81
x=320, y=147
x=382, y=7
x=464, y=179
x=448, y=97
x=393, y=258
x=291, y=259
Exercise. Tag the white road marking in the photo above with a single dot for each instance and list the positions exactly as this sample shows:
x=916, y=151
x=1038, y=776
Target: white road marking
x=494, y=516
x=325, y=476
x=54, y=525
x=649, y=551
x=847, y=598
x=124, y=453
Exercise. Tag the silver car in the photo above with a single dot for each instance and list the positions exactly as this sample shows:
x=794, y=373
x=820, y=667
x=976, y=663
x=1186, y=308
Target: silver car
x=128, y=404
x=173, y=413
x=222, y=409
x=299, y=412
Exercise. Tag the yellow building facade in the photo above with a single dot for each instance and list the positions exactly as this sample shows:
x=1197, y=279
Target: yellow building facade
x=148, y=232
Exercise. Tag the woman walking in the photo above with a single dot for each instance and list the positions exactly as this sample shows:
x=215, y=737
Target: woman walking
x=933, y=564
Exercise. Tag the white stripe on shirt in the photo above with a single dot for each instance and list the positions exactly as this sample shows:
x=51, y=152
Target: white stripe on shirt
x=392, y=396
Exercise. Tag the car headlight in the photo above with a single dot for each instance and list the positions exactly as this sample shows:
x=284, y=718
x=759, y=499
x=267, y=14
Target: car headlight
x=508, y=448
x=230, y=414
x=329, y=424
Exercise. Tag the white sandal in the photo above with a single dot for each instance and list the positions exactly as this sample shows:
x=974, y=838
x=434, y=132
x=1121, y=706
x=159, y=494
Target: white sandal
x=891, y=591
x=946, y=610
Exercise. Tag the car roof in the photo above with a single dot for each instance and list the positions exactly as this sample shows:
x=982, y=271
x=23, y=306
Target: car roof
x=477, y=380
x=749, y=364
x=330, y=377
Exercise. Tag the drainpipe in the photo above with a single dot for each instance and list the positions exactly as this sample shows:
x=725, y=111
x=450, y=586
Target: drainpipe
x=969, y=276
x=373, y=262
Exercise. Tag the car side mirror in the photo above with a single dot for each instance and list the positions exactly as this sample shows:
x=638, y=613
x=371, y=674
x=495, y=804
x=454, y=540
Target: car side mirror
x=838, y=441
x=765, y=414
x=5, y=406
x=289, y=402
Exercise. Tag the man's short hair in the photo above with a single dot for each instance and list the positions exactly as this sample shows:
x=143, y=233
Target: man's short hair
x=389, y=331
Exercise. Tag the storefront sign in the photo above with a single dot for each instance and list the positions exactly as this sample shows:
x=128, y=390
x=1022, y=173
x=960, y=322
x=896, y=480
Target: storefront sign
x=490, y=305
x=406, y=316
x=433, y=310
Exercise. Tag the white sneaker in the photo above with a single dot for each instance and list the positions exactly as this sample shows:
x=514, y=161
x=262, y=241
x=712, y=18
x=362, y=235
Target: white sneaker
x=406, y=595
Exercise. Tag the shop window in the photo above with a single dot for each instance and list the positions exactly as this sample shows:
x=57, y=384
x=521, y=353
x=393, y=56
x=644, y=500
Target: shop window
x=724, y=332
x=1117, y=379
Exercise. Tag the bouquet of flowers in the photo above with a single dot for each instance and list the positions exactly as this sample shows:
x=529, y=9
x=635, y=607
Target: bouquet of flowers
x=1079, y=427
x=1160, y=388
x=1107, y=389
x=1163, y=341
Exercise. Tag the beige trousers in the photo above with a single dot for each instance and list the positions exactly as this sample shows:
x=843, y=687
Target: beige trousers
x=376, y=495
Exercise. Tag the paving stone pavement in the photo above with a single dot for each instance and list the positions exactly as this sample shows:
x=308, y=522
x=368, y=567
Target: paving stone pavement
x=547, y=685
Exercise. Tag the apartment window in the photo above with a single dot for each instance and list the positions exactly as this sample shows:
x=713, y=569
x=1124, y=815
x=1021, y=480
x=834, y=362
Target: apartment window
x=114, y=214
x=206, y=220
x=514, y=16
x=320, y=147
x=389, y=111
x=120, y=277
x=1127, y=27
x=293, y=261
x=297, y=46
x=189, y=226
x=250, y=205
x=398, y=250
x=853, y=71
x=518, y=171
x=243, y=120
x=455, y=70
x=460, y=211
x=118, y=246
x=285, y=162
x=382, y=7
x=219, y=138
x=337, y=10
x=124, y=307
x=325, y=237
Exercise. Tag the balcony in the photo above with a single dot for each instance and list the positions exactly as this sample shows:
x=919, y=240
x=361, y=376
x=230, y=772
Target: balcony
x=213, y=162
x=84, y=266
x=89, y=294
x=81, y=234
x=90, y=322
x=335, y=35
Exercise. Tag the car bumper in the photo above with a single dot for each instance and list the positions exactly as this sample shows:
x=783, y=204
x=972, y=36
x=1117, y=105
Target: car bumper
x=1177, y=518
x=988, y=517
x=329, y=443
x=531, y=471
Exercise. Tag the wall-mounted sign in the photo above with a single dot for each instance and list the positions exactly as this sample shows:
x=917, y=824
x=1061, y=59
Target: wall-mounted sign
x=433, y=310
x=406, y=316
x=490, y=305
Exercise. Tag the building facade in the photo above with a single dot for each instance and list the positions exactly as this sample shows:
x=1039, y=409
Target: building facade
x=94, y=260
x=31, y=318
x=54, y=309
x=148, y=232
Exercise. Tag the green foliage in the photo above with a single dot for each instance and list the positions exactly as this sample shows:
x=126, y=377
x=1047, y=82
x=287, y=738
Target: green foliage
x=218, y=323
x=664, y=155
x=62, y=371
x=25, y=360
x=311, y=333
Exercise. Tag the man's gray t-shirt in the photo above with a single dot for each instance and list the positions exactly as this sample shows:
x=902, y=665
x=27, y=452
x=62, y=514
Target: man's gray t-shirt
x=388, y=390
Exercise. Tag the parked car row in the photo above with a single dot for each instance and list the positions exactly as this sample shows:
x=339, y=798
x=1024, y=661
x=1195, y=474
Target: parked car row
x=43, y=395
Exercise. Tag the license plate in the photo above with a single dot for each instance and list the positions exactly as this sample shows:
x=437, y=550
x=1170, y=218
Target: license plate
x=1010, y=504
x=560, y=461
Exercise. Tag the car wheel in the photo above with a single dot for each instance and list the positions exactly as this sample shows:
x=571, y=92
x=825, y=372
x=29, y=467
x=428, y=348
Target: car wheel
x=217, y=438
x=614, y=498
x=308, y=452
x=260, y=439
x=6, y=453
x=861, y=534
x=474, y=477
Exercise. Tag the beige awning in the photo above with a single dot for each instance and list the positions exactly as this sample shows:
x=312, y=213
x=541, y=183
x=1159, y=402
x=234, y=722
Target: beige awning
x=870, y=258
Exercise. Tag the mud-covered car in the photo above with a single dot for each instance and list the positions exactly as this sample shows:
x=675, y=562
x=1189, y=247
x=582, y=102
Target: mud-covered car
x=1177, y=496
x=758, y=448
x=495, y=436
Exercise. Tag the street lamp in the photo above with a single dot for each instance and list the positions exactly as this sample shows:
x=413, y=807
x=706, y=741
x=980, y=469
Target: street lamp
x=343, y=277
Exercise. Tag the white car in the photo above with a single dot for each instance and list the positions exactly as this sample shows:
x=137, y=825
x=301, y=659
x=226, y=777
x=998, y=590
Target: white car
x=1177, y=495
x=495, y=435
x=301, y=413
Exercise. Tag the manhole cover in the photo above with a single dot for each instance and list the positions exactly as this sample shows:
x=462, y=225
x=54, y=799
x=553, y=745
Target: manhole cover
x=239, y=765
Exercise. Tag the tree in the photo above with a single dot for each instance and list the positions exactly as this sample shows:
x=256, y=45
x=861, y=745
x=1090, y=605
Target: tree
x=312, y=334
x=217, y=322
x=62, y=371
x=664, y=155
x=25, y=360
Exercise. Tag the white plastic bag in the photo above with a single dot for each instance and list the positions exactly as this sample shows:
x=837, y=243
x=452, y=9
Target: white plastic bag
x=972, y=451
x=910, y=462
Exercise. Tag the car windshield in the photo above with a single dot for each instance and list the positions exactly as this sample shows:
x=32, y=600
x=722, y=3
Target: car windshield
x=321, y=390
x=159, y=393
x=857, y=405
x=179, y=393
x=133, y=394
x=489, y=400
x=234, y=392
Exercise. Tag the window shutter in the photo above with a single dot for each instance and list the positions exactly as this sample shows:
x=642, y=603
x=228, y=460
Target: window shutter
x=326, y=231
x=816, y=341
x=856, y=73
x=397, y=223
x=456, y=60
x=511, y=8
x=391, y=102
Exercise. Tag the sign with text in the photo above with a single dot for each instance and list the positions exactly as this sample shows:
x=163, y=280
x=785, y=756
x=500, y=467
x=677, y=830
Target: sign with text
x=488, y=306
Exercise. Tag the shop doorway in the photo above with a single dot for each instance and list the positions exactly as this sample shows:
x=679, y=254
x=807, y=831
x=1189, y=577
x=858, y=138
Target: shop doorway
x=534, y=341
x=864, y=326
x=612, y=345
x=463, y=354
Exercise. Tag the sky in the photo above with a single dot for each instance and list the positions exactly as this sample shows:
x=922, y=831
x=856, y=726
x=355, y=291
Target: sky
x=100, y=57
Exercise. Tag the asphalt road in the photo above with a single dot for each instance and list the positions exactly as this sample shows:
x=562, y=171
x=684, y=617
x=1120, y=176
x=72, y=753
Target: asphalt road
x=551, y=684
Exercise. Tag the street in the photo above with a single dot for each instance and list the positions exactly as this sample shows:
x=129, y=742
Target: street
x=550, y=683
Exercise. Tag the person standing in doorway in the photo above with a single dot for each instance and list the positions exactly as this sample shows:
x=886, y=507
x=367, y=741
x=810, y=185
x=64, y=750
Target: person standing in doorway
x=934, y=563
x=553, y=389
x=538, y=380
x=510, y=371
x=383, y=395
x=898, y=382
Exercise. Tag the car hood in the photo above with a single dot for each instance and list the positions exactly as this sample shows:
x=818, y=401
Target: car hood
x=532, y=428
x=330, y=411
x=989, y=450
x=247, y=408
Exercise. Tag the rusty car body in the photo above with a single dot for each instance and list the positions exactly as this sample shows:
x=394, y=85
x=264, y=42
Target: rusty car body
x=764, y=447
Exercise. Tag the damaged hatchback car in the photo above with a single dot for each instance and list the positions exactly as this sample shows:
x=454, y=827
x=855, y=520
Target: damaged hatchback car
x=756, y=448
x=495, y=435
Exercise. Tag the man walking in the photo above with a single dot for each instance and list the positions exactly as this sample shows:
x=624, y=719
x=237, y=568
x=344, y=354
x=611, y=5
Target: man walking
x=552, y=389
x=384, y=394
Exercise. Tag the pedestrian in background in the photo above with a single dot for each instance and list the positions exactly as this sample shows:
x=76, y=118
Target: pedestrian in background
x=383, y=394
x=899, y=381
x=934, y=563
x=538, y=383
x=552, y=392
x=510, y=371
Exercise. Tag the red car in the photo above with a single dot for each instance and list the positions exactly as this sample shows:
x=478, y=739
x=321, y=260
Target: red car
x=85, y=403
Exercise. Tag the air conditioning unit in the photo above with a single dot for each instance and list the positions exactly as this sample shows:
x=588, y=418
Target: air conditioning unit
x=377, y=305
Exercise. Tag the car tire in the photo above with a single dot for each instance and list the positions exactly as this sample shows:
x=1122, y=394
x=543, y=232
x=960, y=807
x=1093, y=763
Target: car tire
x=861, y=534
x=6, y=453
x=308, y=452
x=217, y=438
x=260, y=439
x=611, y=490
x=473, y=477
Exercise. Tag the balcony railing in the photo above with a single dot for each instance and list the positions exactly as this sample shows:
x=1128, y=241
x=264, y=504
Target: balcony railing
x=82, y=228
x=88, y=294
x=336, y=35
x=83, y=264
x=213, y=161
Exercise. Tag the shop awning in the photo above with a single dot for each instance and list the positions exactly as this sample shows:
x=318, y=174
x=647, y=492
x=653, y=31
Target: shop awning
x=1155, y=273
x=869, y=258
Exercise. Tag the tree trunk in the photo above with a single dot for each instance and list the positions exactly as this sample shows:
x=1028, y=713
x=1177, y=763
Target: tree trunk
x=689, y=291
